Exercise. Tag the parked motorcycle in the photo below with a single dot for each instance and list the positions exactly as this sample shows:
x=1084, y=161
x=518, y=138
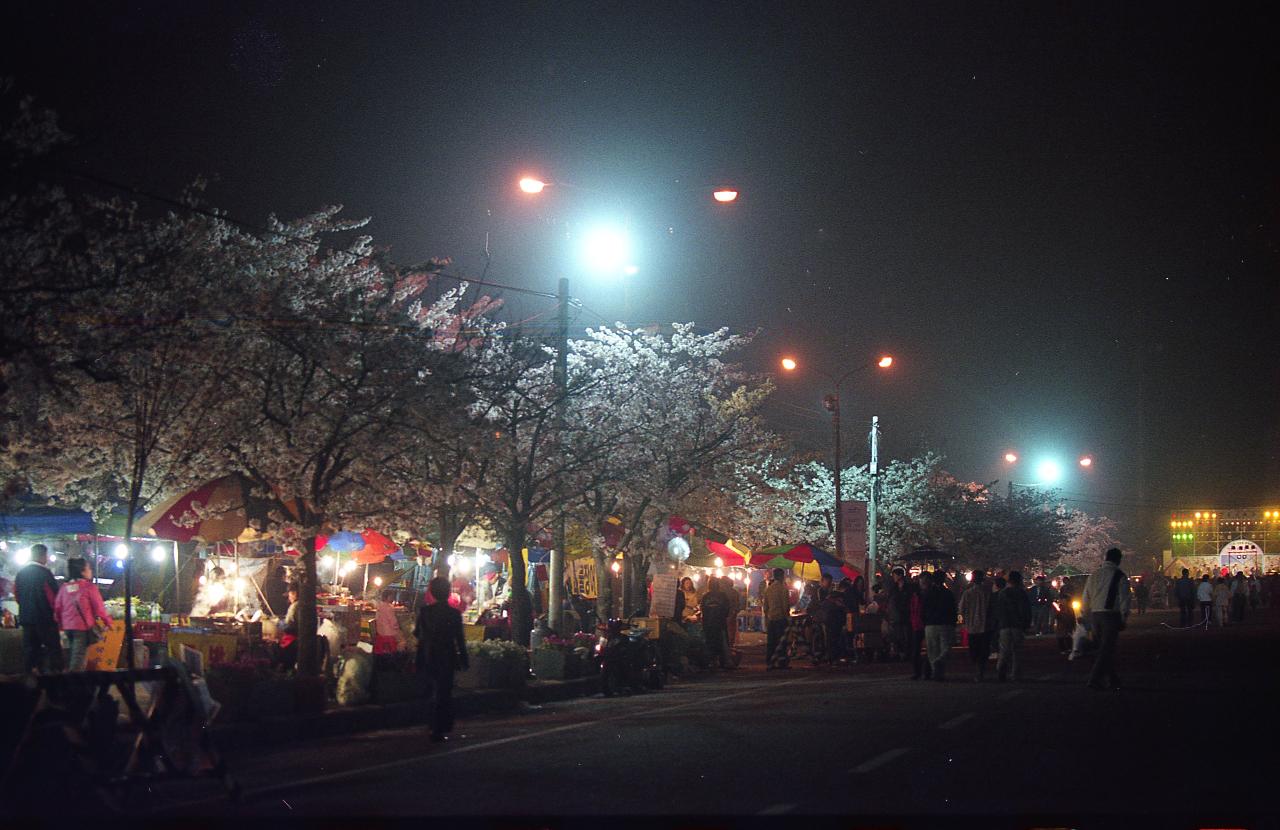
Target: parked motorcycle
x=628, y=659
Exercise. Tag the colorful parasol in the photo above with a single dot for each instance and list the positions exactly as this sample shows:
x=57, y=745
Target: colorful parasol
x=222, y=510
x=805, y=560
x=367, y=548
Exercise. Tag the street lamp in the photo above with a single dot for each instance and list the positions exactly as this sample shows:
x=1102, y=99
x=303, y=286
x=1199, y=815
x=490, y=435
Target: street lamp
x=832, y=404
x=1048, y=471
x=606, y=250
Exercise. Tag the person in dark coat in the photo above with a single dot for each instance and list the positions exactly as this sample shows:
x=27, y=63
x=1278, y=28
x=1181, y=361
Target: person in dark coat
x=36, y=590
x=442, y=649
x=1013, y=618
x=939, y=612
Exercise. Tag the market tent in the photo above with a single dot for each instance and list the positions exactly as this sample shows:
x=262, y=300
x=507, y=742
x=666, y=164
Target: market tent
x=221, y=510
x=42, y=520
x=704, y=552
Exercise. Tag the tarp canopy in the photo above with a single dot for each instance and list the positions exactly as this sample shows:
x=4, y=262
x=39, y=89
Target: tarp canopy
x=45, y=521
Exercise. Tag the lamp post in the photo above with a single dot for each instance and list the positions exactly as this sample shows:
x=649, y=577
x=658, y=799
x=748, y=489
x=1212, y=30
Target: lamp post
x=832, y=404
x=1048, y=470
x=607, y=250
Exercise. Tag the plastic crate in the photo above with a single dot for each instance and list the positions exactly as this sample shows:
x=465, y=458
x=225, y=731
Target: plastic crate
x=151, y=632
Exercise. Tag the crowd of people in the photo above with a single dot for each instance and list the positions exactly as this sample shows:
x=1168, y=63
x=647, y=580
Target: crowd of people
x=1221, y=601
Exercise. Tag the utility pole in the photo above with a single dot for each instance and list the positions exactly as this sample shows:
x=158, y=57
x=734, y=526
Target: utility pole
x=872, y=504
x=555, y=591
x=832, y=403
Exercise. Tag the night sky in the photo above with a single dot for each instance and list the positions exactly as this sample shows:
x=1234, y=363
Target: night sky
x=1060, y=218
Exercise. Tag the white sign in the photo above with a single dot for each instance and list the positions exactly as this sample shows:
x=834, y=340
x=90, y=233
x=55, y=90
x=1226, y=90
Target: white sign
x=664, y=596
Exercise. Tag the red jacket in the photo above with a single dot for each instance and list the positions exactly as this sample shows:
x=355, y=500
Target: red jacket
x=78, y=604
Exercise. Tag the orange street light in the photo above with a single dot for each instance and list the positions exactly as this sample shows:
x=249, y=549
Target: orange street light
x=789, y=364
x=1011, y=458
x=532, y=185
x=886, y=362
x=724, y=194
x=1087, y=461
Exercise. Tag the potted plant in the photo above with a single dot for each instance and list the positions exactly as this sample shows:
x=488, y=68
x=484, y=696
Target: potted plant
x=497, y=664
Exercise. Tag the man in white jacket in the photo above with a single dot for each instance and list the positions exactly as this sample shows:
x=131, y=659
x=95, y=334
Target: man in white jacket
x=1106, y=601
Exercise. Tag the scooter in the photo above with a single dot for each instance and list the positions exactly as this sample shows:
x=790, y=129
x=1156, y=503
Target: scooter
x=628, y=659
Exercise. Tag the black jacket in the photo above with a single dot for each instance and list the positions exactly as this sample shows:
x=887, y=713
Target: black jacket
x=938, y=606
x=35, y=589
x=441, y=643
x=1013, y=608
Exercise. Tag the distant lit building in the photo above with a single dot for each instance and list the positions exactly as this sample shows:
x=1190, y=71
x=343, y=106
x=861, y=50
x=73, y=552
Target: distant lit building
x=1209, y=541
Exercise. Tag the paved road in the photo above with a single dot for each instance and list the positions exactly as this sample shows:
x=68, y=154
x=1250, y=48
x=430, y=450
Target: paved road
x=1182, y=741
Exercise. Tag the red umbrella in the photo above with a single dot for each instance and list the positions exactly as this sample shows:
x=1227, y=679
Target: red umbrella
x=728, y=555
x=376, y=547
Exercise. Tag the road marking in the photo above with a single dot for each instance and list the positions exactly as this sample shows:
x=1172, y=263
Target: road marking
x=1011, y=695
x=880, y=760
x=957, y=720
x=776, y=810
x=401, y=762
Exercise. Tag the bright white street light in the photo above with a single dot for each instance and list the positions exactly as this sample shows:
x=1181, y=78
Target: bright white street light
x=531, y=185
x=157, y=553
x=1049, y=471
x=606, y=250
x=22, y=557
x=121, y=551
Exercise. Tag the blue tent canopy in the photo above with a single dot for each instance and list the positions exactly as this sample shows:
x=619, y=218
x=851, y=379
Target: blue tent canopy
x=45, y=521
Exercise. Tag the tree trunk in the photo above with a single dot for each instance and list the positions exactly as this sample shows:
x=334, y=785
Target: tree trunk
x=604, y=577
x=308, y=654
x=521, y=602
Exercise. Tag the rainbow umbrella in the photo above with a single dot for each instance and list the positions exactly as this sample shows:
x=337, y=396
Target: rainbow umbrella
x=805, y=560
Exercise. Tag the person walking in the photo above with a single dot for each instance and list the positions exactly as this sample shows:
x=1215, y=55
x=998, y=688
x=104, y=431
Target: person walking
x=1041, y=606
x=715, y=614
x=915, y=639
x=1013, y=615
x=975, y=607
x=36, y=590
x=776, y=606
x=1221, y=602
x=1106, y=601
x=938, y=607
x=1204, y=596
x=442, y=649
x=894, y=605
x=1184, y=590
x=77, y=607
x=1239, y=597
x=1141, y=595
x=1065, y=620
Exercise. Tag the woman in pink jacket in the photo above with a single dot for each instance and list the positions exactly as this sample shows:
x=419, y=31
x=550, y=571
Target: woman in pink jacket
x=77, y=606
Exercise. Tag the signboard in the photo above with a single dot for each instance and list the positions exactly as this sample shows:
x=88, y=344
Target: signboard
x=664, y=595
x=104, y=655
x=581, y=574
x=214, y=648
x=853, y=516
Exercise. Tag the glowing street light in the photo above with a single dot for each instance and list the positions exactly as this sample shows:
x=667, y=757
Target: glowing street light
x=532, y=185
x=607, y=250
x=725, y=195
x=1011, y=458
x=885, y=362
x=789, y=364
x=1086, y=461
x=1049, y=471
